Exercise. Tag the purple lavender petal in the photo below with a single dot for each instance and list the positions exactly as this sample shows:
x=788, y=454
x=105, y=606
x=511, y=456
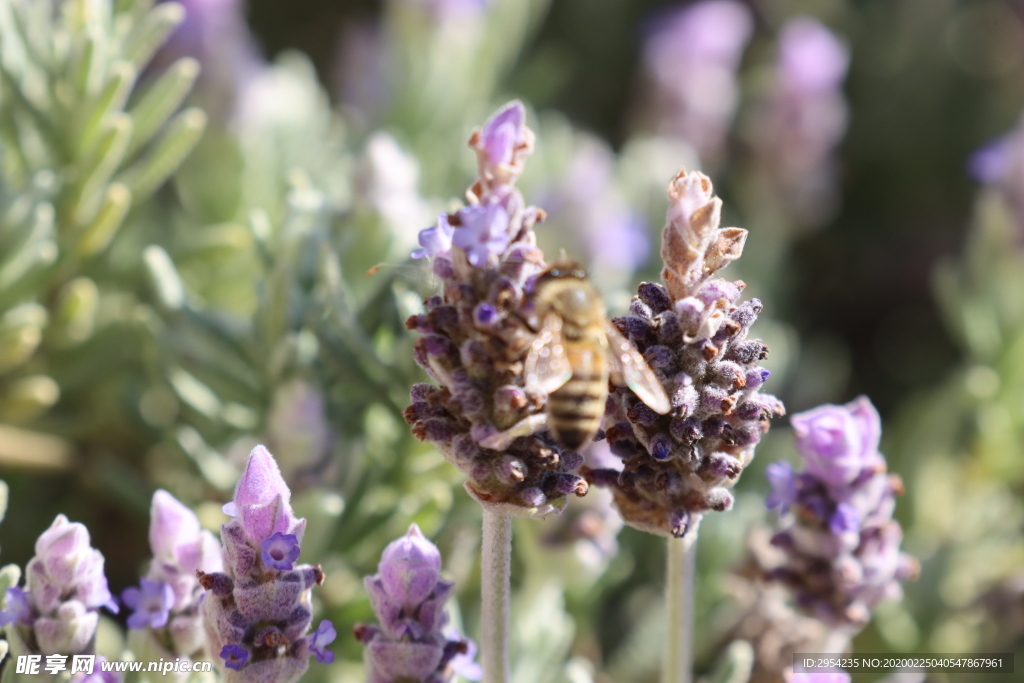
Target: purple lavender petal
x=435, y=240
x=280, y=551
x=483, y=234
x=234, y=656
x=17, y=606
x=151, y=604
x=990, y=163
x=321, y=638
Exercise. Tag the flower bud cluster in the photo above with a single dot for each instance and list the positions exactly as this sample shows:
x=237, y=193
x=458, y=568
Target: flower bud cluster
x=841, y=545
x=483, y=416
x=693, y=333
x=257, y=611
x=58, y=610
x=166, y=603
x=412, y=644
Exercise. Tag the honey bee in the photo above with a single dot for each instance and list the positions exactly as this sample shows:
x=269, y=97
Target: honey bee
x=577, y=351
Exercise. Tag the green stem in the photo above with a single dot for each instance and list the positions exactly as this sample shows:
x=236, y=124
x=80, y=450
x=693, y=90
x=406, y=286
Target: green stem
x=679, y=595
x=496, y=584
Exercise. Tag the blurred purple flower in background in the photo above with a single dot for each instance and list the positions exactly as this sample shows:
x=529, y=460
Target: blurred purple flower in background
x=804, y=118
x=151, y=604
x=1000, y=165
x=411, y=643
x=587, y=202
x=58, y=611
x=216, y=34
x=691, y=58
x=298, y=431
x=840, y=543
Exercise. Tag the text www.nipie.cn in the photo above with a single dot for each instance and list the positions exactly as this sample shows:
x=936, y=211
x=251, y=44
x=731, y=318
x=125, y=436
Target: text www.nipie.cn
x=34, y=664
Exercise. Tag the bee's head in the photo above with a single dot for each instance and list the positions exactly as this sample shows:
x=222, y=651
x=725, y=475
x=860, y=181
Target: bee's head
x=564, y=287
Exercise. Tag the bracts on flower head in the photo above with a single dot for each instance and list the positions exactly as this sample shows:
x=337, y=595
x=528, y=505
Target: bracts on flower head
x=840, y=543
x=256, y=612
x=694, y=333
x=58, y=610
x=482, y=414
x=412, y=642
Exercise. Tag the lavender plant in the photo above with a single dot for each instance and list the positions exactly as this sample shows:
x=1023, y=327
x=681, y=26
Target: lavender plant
x=841, y=546
x=693, y=332
x=484, y=417
x=695, y=335
x=57, y=611
x=165, y=620
x=413, y=642
x=84, y=138
x=257, y=613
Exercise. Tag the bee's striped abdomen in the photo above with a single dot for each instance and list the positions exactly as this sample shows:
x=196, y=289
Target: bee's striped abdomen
x=575, y=409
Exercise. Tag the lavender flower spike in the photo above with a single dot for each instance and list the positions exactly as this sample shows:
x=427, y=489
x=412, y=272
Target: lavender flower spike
x=841, y=546
x=256, y=612
x=165, y=618
x=482, y=414
x=411, y=644
x=694, y=334
x=58, y=611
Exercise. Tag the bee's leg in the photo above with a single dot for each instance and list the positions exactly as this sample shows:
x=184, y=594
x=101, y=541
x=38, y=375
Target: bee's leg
x=525, y=427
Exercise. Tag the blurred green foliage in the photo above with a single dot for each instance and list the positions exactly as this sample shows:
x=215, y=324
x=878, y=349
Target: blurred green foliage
x=174, y=290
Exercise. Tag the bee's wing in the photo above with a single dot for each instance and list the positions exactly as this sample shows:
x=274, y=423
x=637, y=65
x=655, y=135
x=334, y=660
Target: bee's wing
x=630, y=368
x=546, y=364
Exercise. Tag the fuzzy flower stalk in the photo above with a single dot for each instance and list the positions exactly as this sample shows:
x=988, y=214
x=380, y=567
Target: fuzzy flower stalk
x=57, y=611
x=412, y=642
x=840, y=543
x=165, y=605
x=256, y=612
x=694, y=334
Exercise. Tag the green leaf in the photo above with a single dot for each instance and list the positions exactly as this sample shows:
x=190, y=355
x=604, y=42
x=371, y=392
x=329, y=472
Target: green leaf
x=160, y=100
x=145, y=176
x=100, y=168
x=151, y=32
x=95, y=239
x=111, y=100
x=165, y=278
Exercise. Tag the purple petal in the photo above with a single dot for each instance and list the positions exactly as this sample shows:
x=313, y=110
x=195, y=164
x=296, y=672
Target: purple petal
x=280, y=551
